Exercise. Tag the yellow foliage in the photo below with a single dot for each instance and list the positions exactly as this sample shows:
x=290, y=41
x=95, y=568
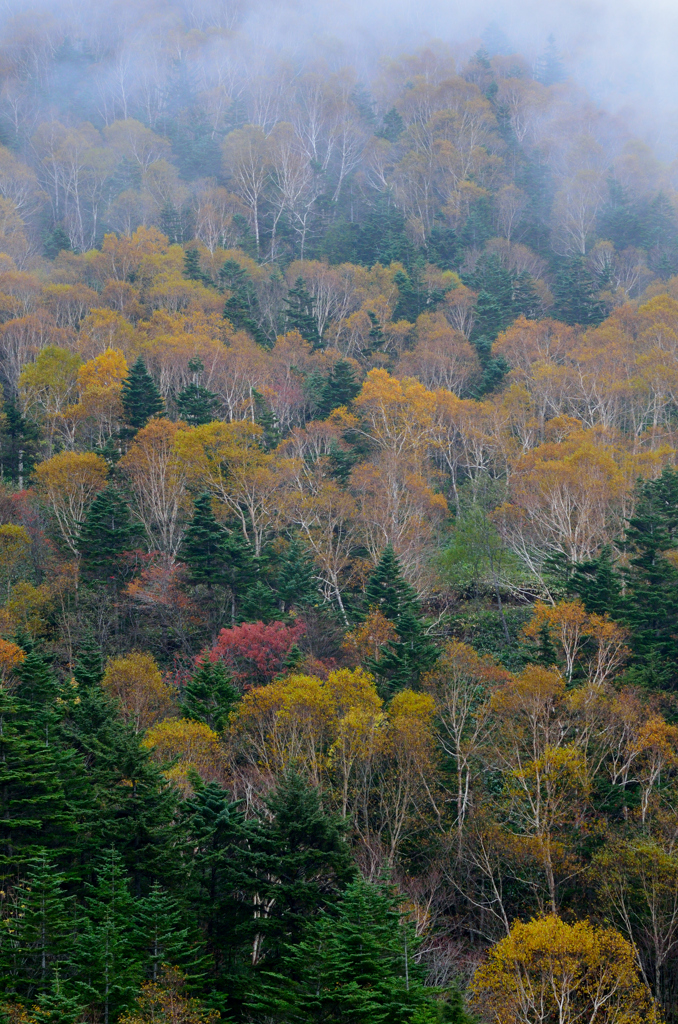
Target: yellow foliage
x=68, y=482
x=547, y=970
x=136, y=681
x=194, y=743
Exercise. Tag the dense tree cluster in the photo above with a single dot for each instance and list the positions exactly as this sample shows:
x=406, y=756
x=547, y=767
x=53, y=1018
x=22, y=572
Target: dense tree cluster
x=338, y=539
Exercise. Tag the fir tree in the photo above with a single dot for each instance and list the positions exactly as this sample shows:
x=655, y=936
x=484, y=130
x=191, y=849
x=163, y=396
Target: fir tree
x=296, y=584
x=38, y=930
x=214, y=556
x=106, y=534
x=192, y=269
x=19, y=445
x=140, y=396
x=197, y=405
x=300, y=862
x=357, y=965
x=209, y=696
x=575, y=297
x=408, y=306
x=57, y=1006
x=550, y=70
x=403, y=662
x=598, y=585
x=392, y=127
x=300, y=313
x=340, y=388
x=108, y=967
x=242, y=308
x=165, y=936
x=88, y=670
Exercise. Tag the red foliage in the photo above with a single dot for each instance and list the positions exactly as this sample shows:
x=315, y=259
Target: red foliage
x=255, y=652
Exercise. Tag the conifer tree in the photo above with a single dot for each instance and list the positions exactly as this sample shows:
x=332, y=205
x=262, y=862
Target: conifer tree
x=209, y=696
x=575, y=296
x=214, y=556
x=242, y=308
x=300, y=862
x=19, y=445
x=401, y=663
x=88, y=670
x=357, y=965
x=192, y=269
x=197, y=405
x=300, y=313
x=108, y=967
x=38, y=930
x=107, y=533
x=57, y=1006
x=340, y=388
x=296, y=583
x=598, y=585
x=164, y=936
x=140, y=396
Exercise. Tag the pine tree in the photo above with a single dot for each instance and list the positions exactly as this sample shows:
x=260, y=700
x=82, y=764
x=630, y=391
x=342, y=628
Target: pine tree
x=108, y=967
x=300, y=862
x=88, y=670
x=340, y=388
x=209, y=696
x=393, y=126
x=296, y=583
x=357, y=965
x=598, y=585
x=387, y=589
x=300, y=313
x=107, y=533
x=408, y=306
x=140, y=396
x=57, y=1006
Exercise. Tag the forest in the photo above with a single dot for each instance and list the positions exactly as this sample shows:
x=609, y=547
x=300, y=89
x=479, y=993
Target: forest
x=338, y=532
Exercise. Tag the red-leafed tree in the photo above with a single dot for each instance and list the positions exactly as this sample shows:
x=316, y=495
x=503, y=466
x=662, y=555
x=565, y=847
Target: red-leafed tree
x=256, y=652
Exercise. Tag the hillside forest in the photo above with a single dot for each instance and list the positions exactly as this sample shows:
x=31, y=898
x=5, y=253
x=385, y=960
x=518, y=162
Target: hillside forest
x=338, y=535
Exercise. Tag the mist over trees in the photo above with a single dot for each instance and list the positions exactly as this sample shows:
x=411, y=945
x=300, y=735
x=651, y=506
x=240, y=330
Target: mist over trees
x=338, y=530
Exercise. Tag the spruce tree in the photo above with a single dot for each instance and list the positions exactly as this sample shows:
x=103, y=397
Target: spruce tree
x=296, y=582
x=209, y=696
x=356, y=965
x=340, y=388
x=58, y=1006
x=403, y=662
x=108, y=968
x=206, y=549
x=197, y=405
x=598, y=584
x=192, y=269
x=300, y=862
x=88, y=670
x=300, y=313
x=107, y=533
x=140, y=396
x=575, y=296
x=38, y=930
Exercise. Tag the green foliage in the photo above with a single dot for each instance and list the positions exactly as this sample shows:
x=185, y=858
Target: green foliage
x=209, y=696
x=340, y=388
x=19, y=445
x=107, y=533
x=354, y=965
x=300, y=313
x=575, y=295
x=296, y=581
x=196, y=404
x=140, y=396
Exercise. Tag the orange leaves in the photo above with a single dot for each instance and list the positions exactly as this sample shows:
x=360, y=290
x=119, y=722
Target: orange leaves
x=368, y=639
x=11, y=655
x=593, y=640
x=546, y=969
x=68, y=483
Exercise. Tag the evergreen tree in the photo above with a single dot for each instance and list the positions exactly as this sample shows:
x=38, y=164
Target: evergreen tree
x=550, y=70
x=408, y=306
x=19, y=445
x=57, y=1006
x=598, y=585
x=300, y=861
x=356, y=965
x=214, y=556
x=242, y=308
x=38, y=931
x=140, y=396
x=163, y=936
x=108, y=967
x=296, y=583
x=392, y=127
x=88, y=670
x=300, y=313
x=403, y=662
x=575, y=295
x=107, y=533
x=650, y=605
x=209, y=696
x=340, y=388
x=197, y=405
x=267, y=420
x=192, y=269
